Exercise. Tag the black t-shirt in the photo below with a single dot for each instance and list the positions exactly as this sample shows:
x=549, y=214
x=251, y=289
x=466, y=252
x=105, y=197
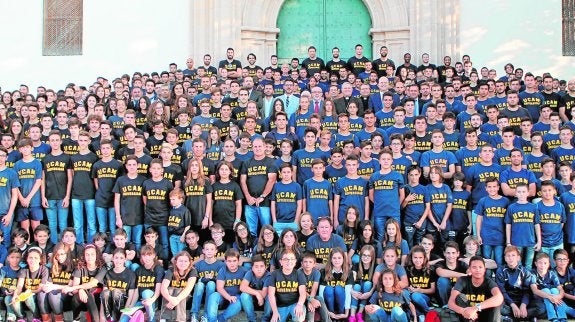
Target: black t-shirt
x=286, y=286
x=154, y=145
x=95, y=147
x=461, y=267
x=64, y=277
x=56, y=175
x=313, y=65
x=224, y=126
x=147, y=279
x=302, y=239
x=475, y=294
x=178, y=220
x=174, y=173
x=421, y=278
x=82, y=183
x=85, y=276
x=106, y=173
x=337, y=279
x=225, y=196
x=380, y=66
x=158, y=202
x=182, y=282
x=123, y=281
x=335, y=66
x=196, y=200
x=257, y=176
x=357, y=65
x=131, y=204
x=230, y=66
x=70, y=147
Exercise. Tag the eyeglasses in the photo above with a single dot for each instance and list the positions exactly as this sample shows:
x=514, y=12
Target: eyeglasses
x=561, y=259
x=269, y=233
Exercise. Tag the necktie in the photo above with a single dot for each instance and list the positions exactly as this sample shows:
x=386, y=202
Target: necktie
x=287, y=101
x=316, y=108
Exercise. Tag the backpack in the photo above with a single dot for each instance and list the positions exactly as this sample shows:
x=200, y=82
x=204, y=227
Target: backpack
x=441, y=315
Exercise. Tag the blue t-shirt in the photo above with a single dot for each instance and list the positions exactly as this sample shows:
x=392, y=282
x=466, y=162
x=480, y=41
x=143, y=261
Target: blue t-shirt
x=513, y=178
x=257, y=283
x=461, y=204
x=355, y=125
x=492, y=212
x=303, y=159
x=321, y=248
x=522, y=218
x=561, y=154
x=415, y=208
x=534, y=164
x=300, y=122
x=363, y=135
x=334, y=174
x=551, y=141
x=368, y=168
x=386, y=193
x=28, y=173
x=560, y=189
x=444, y=159
x=385, y=119
x=568, y=201
x=286, y=197
x=352, y=192
x=8, y=181
x=467, y=158
x=232, y=280
x=339, y=138
x=551, y=219
x=439, y=198
x=401, y=165
x=451, y=141
x=317, y=196
x=204, y=269
x=476, y=179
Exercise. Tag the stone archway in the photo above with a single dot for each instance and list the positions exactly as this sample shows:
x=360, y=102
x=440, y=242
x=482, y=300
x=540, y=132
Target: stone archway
x=390, y=25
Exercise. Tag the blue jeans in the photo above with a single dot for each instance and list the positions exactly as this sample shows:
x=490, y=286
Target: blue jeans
x=199, y=288
x=444, y=286
x=280, y=226
x=334, y=297
x=421, y=302
x=214, y=301
x=549, y=250
x=527, y=253
x=554, y=311
x=248, y=306
x=494, y=252
x=106, y=219
x=176, y=245
x=164, y=240
x=396, y=315
x=134, y=234
x=257, y=217
x=9, y=309
x=286, y=311
x=7, y=230
x=57, y=219
x=413, y=235
x=362, y=288
x=30, y=304
x=78, y=206
x=379, y=225
x=150, y=309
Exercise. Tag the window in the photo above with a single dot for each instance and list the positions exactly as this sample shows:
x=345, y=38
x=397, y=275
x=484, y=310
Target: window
x=62, y=27
x=568, y=28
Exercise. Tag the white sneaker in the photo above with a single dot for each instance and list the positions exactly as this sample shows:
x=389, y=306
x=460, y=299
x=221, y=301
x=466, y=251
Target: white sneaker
x=194, y=318
x=203, y=319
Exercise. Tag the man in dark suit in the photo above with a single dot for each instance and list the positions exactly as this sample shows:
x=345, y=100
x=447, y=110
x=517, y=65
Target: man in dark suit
x=248, y=83
x=342, y=102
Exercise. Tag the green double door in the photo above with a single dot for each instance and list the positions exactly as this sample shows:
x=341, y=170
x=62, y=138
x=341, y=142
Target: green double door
x=324, y=24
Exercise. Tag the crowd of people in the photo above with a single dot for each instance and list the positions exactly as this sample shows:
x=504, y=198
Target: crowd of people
x=330, y=191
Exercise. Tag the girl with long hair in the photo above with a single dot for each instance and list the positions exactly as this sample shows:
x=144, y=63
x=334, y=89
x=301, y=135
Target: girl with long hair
x=287, y=240
x=88, y=282
x=198, y=191
x=56, y=293
x=176, y=287
x=364, y=285
x=392, y=237
x=336, y=284
x=244, y=243
x=31, y=280
x=421, y=278
x=267, y=243
x=389, y=303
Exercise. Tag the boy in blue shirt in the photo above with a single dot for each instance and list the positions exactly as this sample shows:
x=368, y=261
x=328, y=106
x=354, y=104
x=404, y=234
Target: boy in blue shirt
x=552, y=218
x=29, y=171
x=207, y=269
x=415, y=219
x=490, y=221
x=9, y=185
x=522, y=227
x=227, y=289
x=385, y=189
x=318, y=192
x=286, y=201
x=254, y=289
x=350, y=190
x=568, y=201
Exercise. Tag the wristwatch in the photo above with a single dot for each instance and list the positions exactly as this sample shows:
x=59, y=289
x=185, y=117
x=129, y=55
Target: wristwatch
x=478, y=306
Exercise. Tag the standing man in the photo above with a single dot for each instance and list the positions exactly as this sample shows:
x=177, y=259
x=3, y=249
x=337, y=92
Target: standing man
x=258, y=176
x=334, y=65
x=312, y=64
x=380, y=64
x=233, y=66
x=356, y=64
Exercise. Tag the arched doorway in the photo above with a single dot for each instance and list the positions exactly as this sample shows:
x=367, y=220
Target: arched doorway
x=324, y=24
